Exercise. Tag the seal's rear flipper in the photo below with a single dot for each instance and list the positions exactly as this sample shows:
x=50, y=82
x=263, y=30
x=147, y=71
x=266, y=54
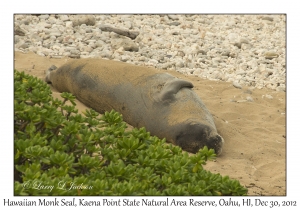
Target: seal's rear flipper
x=47, y=78
x=172, y=87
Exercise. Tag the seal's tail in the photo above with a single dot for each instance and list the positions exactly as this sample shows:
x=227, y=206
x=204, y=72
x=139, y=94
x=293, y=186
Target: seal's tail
x=47, y=78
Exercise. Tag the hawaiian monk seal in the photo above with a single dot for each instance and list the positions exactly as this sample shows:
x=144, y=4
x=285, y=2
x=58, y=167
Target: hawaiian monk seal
x=165, y=105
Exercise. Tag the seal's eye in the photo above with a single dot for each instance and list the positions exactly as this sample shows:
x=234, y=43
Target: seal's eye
x=204, y=133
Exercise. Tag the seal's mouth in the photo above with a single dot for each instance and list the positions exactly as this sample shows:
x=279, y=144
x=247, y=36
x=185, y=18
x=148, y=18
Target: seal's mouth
x=216, y=143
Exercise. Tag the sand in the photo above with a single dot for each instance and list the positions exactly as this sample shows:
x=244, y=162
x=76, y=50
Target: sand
x=255, y=132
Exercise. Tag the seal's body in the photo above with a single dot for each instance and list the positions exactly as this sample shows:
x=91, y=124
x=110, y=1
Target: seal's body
x=166, y=106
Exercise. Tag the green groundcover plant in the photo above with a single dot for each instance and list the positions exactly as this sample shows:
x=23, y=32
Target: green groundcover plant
x=60, y=152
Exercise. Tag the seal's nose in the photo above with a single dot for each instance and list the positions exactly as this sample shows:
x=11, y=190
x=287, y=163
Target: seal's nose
x=216, y=143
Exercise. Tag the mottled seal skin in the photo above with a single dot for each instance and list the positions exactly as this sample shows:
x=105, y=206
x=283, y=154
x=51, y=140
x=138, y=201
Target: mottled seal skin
x=165, y=105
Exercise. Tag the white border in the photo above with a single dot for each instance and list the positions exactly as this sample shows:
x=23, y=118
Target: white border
x=8, y=8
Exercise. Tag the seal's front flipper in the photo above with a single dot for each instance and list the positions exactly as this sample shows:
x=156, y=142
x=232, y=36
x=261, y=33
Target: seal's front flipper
x=172, y=87
x=47, y=78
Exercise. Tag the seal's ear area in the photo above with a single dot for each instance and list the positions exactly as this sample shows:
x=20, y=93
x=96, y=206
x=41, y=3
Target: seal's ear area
x=172, y=87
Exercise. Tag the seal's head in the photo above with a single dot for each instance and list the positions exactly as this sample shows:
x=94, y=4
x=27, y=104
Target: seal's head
x=195, y=136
